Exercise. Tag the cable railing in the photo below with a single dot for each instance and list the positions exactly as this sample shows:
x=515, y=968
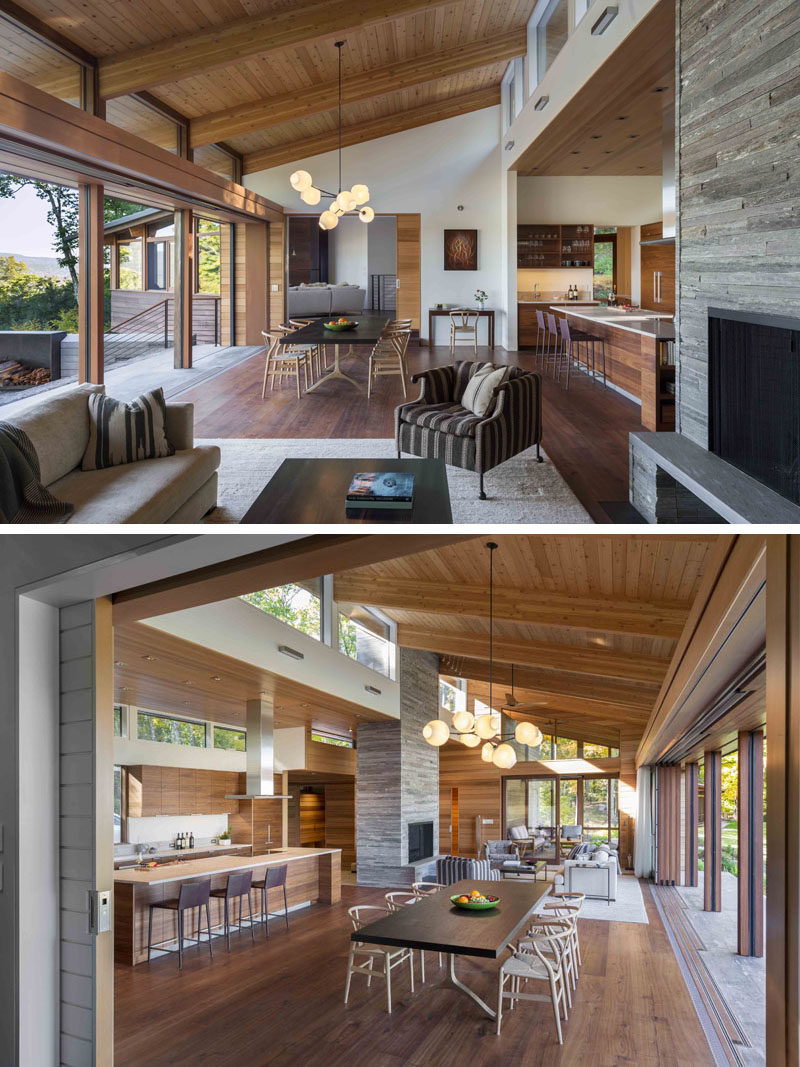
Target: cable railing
x=141, y=334
x=151, y=330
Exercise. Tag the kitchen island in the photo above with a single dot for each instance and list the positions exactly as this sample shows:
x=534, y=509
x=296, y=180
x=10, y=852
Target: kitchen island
x=636, y=346
x=314, y=875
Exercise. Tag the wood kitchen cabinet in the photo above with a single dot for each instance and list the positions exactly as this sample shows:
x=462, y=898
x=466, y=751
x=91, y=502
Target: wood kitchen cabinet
x=170, y=802
x=186, y=805
x=658, y=271
x=144, y=791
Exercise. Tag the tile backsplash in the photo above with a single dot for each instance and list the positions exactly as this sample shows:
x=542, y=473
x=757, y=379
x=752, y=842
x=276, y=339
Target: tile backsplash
x=165, y=827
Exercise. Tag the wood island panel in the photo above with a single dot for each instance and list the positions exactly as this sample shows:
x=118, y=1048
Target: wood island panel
x=313, y=876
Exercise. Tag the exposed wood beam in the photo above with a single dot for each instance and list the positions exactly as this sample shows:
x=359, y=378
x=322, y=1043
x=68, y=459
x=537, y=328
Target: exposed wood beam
x=435, y=111
x=308, y=557
x=273, y=110
x=599, y=662
x=537, y=606
x=180, y=57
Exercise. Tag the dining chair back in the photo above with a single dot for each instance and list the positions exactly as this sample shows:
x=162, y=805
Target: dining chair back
x=283, y=359
x=463, y=323
x=388, y=357
x=387, y=957
x=538, y=958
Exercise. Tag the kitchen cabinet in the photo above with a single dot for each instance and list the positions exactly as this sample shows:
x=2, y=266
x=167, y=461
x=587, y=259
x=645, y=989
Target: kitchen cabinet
x=186, y=804
x=144, y=791
x=658, y=271
x=202, y=793
x=170, y=804
x=555, y=245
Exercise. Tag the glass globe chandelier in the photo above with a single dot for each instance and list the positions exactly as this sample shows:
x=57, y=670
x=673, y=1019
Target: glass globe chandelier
x=346, y=201
x=473, y=729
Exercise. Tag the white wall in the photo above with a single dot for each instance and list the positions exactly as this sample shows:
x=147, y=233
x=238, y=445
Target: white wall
x=38, y=874
x=347, y=252
x=600, y=201
x=289, y=753
x=382, y=245
x=167, y=827
x=430, y=170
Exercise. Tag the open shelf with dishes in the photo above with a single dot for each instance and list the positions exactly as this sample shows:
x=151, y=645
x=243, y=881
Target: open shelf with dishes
x=555, y=246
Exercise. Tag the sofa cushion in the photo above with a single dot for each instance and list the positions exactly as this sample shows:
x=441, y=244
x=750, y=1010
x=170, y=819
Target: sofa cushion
x=126, y=433
x=148, y=491
x=58, y=428
x=445, y=418
x=477, y=396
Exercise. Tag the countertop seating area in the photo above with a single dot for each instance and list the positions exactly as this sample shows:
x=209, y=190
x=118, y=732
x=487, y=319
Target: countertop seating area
x=443, y=423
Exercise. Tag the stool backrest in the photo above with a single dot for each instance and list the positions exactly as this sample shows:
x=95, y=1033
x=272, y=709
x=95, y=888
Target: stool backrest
x=540, y=320
x=239, y=883
x=563, y=326
x=276, y=876
x=551, y=323
x=193, y=894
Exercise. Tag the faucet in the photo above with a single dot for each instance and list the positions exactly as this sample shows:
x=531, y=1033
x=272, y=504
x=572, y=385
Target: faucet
x=535, y=290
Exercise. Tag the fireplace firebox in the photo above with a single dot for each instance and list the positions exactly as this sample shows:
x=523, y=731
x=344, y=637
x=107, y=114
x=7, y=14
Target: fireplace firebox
x=420, y=841
x=754, y=396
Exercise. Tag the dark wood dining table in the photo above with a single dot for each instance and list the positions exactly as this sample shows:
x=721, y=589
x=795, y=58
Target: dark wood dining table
x=434, y=924
x=367, y=332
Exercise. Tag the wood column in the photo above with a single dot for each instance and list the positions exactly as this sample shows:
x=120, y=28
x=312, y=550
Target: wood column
x=668, y=824
x=183, y=287
x=751, y=843
x=783, y=798
x=691, y=812
x=90, y=284
x=712, y=859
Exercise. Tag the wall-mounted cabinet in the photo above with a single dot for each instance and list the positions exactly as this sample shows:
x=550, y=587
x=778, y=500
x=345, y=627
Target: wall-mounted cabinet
x=181, y=791
x=551, y=246
x=658, y=270
x=307, y=250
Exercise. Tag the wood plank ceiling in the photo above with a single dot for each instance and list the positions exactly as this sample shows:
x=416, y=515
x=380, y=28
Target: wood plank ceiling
x=160, y=672
x=260, y=75
x=589, y=622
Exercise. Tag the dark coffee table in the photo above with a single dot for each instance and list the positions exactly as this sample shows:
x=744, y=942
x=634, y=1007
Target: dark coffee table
x=312, y=491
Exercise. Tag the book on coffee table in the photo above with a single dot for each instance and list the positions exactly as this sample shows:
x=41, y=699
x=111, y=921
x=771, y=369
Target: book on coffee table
x=381, y=489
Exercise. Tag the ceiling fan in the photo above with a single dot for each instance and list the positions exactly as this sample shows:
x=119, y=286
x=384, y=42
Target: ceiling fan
x=513, y=703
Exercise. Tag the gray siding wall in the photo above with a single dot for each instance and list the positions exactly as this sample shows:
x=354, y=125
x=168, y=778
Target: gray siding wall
x=397, y=774
x=738, y=118
x=77, y=856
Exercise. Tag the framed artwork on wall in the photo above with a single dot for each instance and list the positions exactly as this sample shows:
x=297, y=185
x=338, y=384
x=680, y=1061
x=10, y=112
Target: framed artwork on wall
x=460, y=249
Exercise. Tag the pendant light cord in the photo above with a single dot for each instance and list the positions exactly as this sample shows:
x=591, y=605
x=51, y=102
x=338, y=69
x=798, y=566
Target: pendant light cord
x=491, y=546
x=339, y=45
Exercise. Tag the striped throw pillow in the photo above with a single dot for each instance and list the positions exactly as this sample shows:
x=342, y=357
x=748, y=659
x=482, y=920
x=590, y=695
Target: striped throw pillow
x=124, y=433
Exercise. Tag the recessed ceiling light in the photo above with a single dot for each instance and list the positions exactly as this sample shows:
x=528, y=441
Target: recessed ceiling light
x=149, y=658
x=125, y=688
x=575, y=152
x=119, y=663
x=632, y=136
x=216, y=678
x=608, y=152
x=597, y=136
x=187, y=682
x=661, y=89
x=621, y=118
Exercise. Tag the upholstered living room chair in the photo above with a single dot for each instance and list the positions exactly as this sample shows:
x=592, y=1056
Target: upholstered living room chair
x=450, y=869
x=437, y=426
x=499, y=852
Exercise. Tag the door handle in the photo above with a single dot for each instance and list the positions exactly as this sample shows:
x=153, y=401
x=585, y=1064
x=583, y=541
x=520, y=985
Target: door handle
x=655, y=286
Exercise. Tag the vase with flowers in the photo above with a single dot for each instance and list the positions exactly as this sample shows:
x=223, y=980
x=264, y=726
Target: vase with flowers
x=480, y=298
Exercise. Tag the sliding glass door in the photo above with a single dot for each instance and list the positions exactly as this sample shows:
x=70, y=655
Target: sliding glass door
x=557, y=810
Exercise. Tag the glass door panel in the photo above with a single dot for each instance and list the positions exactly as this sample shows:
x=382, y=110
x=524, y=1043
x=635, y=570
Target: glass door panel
x=595, y=809
x=541, y=816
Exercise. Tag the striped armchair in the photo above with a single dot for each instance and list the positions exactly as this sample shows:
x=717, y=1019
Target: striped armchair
x=450, y=869
x=436, y=426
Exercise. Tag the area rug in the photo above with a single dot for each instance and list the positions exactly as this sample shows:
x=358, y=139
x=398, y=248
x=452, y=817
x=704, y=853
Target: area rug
x=519, y=491
x=627, y=908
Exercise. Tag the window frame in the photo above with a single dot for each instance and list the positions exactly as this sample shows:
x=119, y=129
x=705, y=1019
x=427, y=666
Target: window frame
x=171, y=718
x=197, y=238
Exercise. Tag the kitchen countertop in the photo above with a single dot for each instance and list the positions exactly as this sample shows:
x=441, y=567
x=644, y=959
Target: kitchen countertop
x=645, y=323
x=213, y=865
x=163, y=853
x=565, y=303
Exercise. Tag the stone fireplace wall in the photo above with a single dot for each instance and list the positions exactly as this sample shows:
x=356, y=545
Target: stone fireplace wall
x=737, y=122
x=397, y=775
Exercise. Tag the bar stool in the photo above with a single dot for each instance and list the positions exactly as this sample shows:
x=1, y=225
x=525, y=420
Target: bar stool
x=552, y=343
x=274, y=877
x=541, y=334
x=583, y=337
x=238, y=886
x=192, y=895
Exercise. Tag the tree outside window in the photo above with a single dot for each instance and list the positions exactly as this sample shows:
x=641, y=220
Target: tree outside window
x=150, y=727
x=235, y=740
x=208, y=255
x=296, y=605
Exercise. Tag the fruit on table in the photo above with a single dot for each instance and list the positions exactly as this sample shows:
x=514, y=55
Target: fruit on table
x=463, y=899
x=476, y=893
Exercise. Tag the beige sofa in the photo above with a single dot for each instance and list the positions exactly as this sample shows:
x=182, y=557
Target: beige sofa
x=179, y=488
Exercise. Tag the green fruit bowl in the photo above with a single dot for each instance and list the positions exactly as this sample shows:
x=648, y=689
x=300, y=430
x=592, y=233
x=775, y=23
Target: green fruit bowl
x=340, y=325
x=475, y=905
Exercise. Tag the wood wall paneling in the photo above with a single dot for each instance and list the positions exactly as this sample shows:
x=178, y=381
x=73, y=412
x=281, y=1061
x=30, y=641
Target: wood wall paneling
x=783, y=797
x=312, y=820
x=668, y=824
x=90, y=288
x=409, y=292
x=340, y=819
x=712, y=832
x=276, y=297
x=691, y=815
x=750, y=879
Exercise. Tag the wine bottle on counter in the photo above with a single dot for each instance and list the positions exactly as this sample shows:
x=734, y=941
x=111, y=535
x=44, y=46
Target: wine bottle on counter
x=191, y=840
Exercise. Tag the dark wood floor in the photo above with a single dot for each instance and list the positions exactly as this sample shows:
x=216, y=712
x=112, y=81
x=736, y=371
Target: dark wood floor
x=585, y=430
x=281, y=1002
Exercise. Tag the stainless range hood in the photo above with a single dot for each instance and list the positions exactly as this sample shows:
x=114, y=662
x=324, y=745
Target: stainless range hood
x=260, y=754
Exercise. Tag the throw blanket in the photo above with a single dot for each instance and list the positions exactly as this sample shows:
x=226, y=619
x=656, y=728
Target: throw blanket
x=23, y=498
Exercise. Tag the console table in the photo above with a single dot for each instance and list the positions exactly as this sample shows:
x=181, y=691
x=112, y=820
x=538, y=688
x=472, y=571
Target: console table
x=484, y=313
